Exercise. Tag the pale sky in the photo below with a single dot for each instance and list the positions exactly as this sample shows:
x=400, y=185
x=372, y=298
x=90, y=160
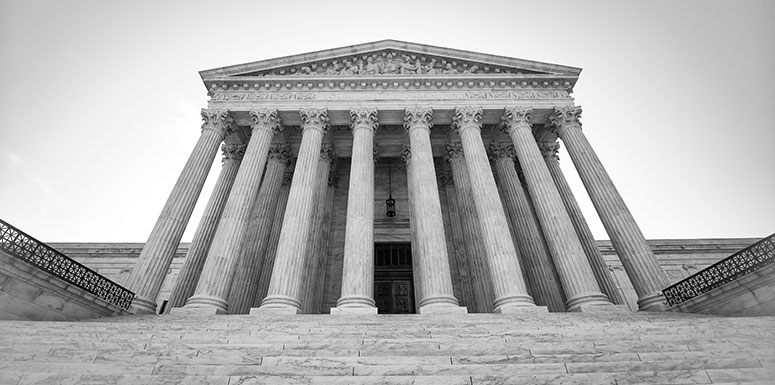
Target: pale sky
x=99, y=100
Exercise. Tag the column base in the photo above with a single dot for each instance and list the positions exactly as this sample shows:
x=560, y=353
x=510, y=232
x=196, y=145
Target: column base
x=353, y=310
x=278, y=304
x=520, y=309
x=141, y=306
x=355, y=301
x=653, y=302
x=436, y=309
x=274, y=310
x=198, y=310
x=200, y=301
x=439, y=300
x=519, y=300
x=586, y=300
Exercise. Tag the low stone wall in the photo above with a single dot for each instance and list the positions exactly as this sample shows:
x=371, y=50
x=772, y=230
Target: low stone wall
x=29, y=293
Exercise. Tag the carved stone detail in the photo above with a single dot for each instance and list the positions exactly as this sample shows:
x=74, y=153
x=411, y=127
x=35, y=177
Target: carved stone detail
x=454, y=151
x=418, y=118
x=563, y=117
x=315, y=118
x=280, y=153
x=467, y=117
x=446, y=179
x=364, y=117
x=406, y=154
x=233, y=151
x=267, y=119
x=514, y=116
x=327, y=153
x=549, y=150
x=217, y=120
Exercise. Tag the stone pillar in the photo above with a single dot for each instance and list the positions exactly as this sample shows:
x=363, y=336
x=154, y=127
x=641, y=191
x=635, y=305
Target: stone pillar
x=203, y=237
x=578, y=281
x=603, y=275
x=538, y=264
x=477, y=260
x=323, y=241
x=313, y=254
x=638, y=260
x=154, y=261
x=459, y=245
x=212, y=291
x=432, y=263
x=406, y=159
x=358, y=272
x=254, y=246
x=509, y=288
x=285, y=285
x=274, y=238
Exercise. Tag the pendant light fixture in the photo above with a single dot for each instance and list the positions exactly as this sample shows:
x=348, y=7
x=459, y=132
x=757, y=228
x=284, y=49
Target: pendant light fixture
x=390, y=202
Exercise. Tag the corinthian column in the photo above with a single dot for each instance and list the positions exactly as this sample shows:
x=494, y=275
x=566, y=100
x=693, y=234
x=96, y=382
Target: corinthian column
x=509, y=288
x=212, y=291
x=203, y=237
x=477, y=260
x=248, y=272
x=538, y=264
x=578, y=281
x=285, y=286
x=432, y=262
x=154, y=261
x=638, y=260
x=358, y=272
x=596, y=261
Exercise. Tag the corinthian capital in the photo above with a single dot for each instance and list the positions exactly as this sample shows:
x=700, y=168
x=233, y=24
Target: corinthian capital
x=406, y=154
x=418, y=117
x=454, y=152
x=549, y=150
x=280, y=153
x=233, y=151
x=217, y=120
x=467, y=117
x=327, y=152
x=363, y=117
x=502, y=150
x=515, y=117
x=564, y=117
x=266, y=119
x=314, y=119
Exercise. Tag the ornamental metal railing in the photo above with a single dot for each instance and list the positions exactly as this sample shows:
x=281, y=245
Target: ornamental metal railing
x=22, y=246
x=740, y=264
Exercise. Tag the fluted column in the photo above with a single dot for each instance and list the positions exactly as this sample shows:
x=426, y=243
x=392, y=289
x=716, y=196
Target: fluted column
x=314, y=253
x=639, y=262
x=358, y=272
x=596, y=261
x=212, y=291
x=285, y=285
x=406, y=159
x=154, y=261
x=318, y=292
x=578, y=281
x=203, y=237
x=509, y=288
x=274, y=238
x=432, y=263
x=474, y=245
x=254, y=246
x=538, y=265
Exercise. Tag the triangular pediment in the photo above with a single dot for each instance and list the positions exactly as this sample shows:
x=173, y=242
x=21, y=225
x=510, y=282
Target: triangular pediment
x=389, y=58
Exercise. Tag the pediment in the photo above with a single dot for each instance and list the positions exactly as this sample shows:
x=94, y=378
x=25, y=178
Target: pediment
x=389, y=58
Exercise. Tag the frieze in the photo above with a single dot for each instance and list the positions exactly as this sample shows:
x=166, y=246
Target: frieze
x=316, y=96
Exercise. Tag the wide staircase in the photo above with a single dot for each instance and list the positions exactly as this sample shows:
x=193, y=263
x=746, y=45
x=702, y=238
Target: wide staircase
x=527, y=348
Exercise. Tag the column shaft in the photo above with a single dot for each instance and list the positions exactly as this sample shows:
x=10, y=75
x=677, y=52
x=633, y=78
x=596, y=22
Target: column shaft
x=274, y=238
x=203, y=237
x=285, y=285
x=639, y=262
x=508, y=286
x=254, y=246
x=576, y=275
x=603, y=275
x=460, y=246
x=358, y=271
x=154, y=261
x=323, y=242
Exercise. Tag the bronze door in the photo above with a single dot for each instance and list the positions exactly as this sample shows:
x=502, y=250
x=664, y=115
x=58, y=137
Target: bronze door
x=393, y=286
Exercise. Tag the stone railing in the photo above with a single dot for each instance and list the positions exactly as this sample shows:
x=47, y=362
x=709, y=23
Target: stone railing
x=24, y=247
x=742, y=263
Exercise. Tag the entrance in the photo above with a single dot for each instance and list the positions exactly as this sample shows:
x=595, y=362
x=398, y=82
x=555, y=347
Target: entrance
x=393, y=283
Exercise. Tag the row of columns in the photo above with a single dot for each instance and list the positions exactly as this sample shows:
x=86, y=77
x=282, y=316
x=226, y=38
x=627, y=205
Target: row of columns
x=554, y=247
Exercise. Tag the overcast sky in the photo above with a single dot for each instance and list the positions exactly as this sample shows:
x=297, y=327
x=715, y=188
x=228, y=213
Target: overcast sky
x=99, y=100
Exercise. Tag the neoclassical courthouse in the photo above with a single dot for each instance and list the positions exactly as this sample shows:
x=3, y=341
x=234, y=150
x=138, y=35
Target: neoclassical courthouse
x=396, y=177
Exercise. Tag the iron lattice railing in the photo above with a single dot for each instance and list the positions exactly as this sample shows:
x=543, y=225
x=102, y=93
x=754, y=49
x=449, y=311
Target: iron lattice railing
x=742, y=263
x=20, y=245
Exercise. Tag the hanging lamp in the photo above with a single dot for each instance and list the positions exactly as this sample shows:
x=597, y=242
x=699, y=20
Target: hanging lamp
x=390, y=202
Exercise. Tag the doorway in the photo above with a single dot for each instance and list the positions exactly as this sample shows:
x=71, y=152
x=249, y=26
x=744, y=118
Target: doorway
x=393, y=282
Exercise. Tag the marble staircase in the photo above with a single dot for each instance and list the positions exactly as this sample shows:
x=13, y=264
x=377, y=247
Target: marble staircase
x=473, y=349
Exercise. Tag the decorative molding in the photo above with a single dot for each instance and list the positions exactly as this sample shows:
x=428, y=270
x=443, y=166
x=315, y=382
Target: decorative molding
x=285, y=95
x=406, y=154
x=267, y=119
x=217, y=120
x=550, y=150
x=327, y=152
x=364, y=117
x=315, y=119
x=233, y=151
x=564, y=117
x=514, y=117
x=466, y=118
x=454, y=151
x=502, y=150
x=280, y=153
x=446, y=178
x=418, y=118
